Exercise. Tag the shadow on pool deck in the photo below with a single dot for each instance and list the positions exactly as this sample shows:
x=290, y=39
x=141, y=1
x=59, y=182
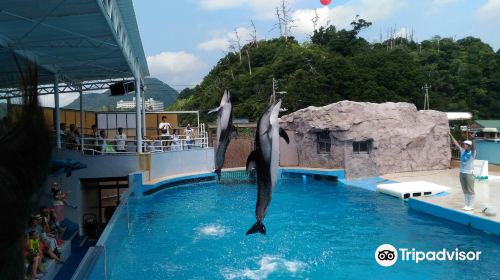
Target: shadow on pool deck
x=487, y=194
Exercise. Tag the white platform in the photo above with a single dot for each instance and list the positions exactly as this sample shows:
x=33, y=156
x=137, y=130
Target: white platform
x=411, y=189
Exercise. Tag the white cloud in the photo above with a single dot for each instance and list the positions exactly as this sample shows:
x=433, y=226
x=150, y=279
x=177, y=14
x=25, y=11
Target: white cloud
x=176, y=68
x=402, y=32
x=442, y=2
x=342, y=15
x=489, y=11
x=215, y=44
x=262, y=9
x=437, y=5
x=223, y=43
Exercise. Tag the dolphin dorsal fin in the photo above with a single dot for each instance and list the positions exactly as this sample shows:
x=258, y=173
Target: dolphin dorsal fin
x=284, y=135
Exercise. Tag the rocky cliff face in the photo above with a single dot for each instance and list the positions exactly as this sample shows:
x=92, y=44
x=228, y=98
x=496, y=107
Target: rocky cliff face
x=400, y=138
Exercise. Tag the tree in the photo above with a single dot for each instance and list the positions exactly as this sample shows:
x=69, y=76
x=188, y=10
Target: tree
x=339, y=64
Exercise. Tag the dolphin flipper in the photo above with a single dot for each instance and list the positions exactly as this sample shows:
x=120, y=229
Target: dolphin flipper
x=284, y=135
x=215, y=110
x=251, y=161
x=257, y=227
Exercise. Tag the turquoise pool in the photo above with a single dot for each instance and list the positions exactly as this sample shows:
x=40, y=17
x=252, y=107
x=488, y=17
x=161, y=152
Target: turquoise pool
x=316, y=230
x=488, y=150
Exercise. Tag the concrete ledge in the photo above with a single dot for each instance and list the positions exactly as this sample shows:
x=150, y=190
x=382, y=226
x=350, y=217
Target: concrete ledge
x=52, y=268
x=339, y=173
x=369, y=184
x=460, y=217
x=157, y=185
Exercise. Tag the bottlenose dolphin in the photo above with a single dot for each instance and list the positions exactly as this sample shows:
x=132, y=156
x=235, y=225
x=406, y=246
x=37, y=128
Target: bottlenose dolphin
x=265, y=159
x=224, y=129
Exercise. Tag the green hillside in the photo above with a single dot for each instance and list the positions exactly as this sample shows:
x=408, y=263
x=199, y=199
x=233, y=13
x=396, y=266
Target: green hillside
x=154, y=88
x=338, y=64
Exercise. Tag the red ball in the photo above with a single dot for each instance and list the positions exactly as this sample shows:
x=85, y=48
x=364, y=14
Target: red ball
x=325, y=2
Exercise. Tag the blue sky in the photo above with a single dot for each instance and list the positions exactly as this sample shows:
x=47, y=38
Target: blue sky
x=183, y=39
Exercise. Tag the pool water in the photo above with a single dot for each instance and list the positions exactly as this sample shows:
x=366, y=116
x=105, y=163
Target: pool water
x=488, y=150
x=317, y=230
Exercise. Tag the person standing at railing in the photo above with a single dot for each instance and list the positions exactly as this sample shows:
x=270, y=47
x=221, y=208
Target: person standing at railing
x=63, y=134
x=72, y=139
x=176, y=145
x=121, y=139
x=101, y=140
x=467, y=155
x=164, y=128
x=189, y=136
x=95, y=135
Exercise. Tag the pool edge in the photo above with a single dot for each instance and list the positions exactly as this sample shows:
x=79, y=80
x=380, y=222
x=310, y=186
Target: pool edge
x=464, y=218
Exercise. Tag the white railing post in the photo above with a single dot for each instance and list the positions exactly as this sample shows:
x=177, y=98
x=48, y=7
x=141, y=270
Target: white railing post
x=138, y=127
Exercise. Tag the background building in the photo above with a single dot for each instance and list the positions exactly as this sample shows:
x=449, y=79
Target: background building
x=151, y=105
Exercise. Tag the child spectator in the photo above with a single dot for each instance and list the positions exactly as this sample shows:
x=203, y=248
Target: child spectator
x=34, y=254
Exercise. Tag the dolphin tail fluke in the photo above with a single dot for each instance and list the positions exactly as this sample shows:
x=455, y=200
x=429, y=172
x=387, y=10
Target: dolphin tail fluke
x=284, y=135
x=257, y=227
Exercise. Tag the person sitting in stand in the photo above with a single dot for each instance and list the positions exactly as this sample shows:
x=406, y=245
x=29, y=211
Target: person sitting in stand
x=49, y=224
x=48, y=245
x=121, y=140
x=34, y=254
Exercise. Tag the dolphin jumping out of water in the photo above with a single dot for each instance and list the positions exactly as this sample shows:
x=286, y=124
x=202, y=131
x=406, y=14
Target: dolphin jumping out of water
x=265, y=159
x=224, y=129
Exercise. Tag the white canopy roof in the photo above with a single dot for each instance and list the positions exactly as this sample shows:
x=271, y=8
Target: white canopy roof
x=80, y=40
x=453, y=116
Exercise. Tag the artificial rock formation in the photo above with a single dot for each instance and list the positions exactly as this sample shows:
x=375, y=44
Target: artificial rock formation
x=400, y=137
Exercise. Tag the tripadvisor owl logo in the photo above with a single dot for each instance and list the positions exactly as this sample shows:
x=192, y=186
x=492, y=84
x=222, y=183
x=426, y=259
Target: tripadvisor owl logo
x=386, y=255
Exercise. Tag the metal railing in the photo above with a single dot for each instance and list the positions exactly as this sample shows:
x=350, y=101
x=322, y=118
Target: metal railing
x=153, y=144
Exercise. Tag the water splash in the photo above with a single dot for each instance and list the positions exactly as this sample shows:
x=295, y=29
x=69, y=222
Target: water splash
x=267, y=265
x=212, y=231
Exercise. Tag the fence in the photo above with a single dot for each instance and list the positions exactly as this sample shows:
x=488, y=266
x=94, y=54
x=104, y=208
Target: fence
x=98, y=146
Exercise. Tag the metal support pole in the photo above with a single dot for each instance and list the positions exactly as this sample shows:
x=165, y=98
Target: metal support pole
x=138, y=126
x=198, y=117
x=143, y=113
x=82, y=117
x=57, y=113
